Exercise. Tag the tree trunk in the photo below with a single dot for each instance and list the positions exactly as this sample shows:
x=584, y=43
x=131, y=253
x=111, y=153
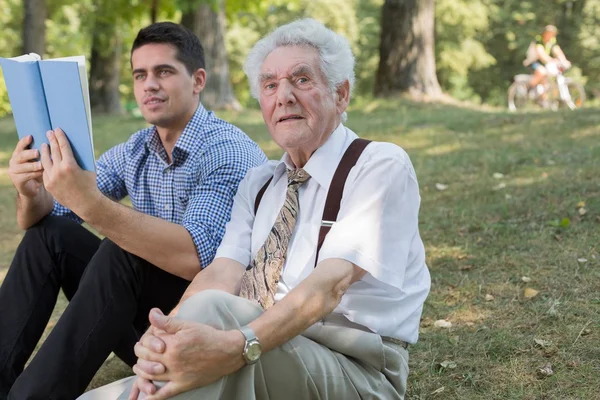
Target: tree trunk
x=105, y=68
x=153, y=11
x=209, y=26
x=407, y=57
x=34, y=26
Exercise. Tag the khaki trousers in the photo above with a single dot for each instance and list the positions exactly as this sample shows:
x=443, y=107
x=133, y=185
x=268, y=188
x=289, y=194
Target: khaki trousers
x=328, y=361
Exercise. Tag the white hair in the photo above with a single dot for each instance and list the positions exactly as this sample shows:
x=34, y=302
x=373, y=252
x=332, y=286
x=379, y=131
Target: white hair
x=337, y=60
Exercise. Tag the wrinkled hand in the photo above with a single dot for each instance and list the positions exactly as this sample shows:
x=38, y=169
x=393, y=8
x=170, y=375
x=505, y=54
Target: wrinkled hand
x=23, y=169
x=194, y=355
x=63, y=178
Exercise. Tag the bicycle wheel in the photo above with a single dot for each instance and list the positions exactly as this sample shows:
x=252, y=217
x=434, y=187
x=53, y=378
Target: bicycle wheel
x=518, y=97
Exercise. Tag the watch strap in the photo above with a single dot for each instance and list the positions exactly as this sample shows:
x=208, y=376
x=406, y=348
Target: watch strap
x=248, y=333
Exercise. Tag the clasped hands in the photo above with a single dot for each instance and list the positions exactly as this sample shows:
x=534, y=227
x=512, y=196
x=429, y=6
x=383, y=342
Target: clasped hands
x=183, y=355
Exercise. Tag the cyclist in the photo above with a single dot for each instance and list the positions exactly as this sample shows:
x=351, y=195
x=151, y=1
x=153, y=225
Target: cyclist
x=542, y=52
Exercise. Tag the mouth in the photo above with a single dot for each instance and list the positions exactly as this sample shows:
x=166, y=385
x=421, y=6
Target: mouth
x=291, y=117
x=153, y=100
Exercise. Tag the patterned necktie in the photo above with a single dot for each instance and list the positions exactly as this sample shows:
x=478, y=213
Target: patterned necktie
x=260, y=280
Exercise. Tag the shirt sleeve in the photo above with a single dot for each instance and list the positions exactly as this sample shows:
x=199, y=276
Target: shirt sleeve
x=110, y=170
x=377, y=226
x=210, y=204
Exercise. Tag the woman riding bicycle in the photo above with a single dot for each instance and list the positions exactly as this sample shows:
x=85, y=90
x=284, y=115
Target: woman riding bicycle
x=543, y=54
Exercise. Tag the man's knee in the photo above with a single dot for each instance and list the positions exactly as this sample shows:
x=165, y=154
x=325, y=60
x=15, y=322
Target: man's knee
x=111, y=259
x=210, y=305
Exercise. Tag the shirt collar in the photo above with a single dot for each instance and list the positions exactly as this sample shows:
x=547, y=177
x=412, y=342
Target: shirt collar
x=187, y=141
x=322, y=164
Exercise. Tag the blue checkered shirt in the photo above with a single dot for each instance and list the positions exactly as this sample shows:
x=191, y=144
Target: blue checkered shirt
x=195, y=190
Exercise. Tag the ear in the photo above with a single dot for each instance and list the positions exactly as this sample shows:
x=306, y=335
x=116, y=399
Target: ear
x=199, y=77
x=342, y=97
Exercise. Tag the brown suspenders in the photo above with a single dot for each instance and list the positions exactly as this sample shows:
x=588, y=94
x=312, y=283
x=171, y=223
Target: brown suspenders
x=336, y=189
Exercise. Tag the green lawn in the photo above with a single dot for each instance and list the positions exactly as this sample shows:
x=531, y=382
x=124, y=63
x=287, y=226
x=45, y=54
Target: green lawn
x=519, y=209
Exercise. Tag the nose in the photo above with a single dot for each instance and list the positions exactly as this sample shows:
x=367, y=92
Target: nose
x=151, y=83
x=285, y=93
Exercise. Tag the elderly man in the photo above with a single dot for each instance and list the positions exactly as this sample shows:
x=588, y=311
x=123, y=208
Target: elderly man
x=262, y=321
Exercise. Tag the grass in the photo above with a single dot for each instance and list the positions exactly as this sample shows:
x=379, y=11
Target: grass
x=509, y=219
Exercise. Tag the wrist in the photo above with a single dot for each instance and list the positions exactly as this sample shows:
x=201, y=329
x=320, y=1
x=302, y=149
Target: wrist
x=236, y=344
x=90, y=205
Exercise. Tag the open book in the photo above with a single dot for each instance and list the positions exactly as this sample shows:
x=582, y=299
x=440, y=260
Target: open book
x=50, y=94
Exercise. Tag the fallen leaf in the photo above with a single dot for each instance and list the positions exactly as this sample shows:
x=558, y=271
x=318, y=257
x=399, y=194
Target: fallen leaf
x=526, y=279
x=448, y=364
x=544, y=175
x=499, y=186
x=573, y=364
x=442, y=323
x=542, y=343
x=507, y=196
x=582, y=260
x=438, y=390
x=582, y=211
x=489, y=297
x=551, y=162
x=454, y=339
x=425, y=322
x=586, y=332
x=498, y=175
x=441, y=186
x=545, y=371
x=465, y=267
x=530, y=293
x=581, y=204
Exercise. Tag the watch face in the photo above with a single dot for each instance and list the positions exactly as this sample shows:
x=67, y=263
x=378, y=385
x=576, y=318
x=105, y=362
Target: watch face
x=253, y=352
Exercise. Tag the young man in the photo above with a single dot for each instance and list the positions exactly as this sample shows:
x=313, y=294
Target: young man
x=277, y=327
x=181, y=175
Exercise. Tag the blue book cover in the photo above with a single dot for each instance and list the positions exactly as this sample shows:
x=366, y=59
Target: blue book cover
x=50, y=94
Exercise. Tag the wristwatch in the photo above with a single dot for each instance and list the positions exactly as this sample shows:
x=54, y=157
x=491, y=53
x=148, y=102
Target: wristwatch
x=252, y=349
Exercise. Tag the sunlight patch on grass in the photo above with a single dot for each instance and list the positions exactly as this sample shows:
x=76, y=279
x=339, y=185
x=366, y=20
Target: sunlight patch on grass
x=585, y=133
x=514, y=138
x=5, y=157
x=468, y=314
x=443, y=149
x=437, y=252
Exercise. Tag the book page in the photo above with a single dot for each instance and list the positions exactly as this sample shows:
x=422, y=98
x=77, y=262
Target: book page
x=27, y=58
x=80, y=60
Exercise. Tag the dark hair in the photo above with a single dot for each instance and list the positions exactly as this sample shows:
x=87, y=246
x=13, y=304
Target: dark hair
x=189, y=48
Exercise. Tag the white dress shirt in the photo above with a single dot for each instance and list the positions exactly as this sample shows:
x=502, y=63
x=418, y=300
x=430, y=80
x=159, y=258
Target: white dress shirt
x=376, y=229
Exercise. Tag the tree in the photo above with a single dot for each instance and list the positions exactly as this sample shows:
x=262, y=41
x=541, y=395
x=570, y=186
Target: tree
x=208, y=24
x=406, y=50
x=34, y=26
x=105, y=64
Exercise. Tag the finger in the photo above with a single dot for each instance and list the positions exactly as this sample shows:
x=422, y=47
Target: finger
x=27, y=167
x=146, y=353
x=63, y=142
x=146, y=386
x=143, y=374
x=166, y=323
x=23, y=143
x=151, y=367
x=30, y=176
x=153, y=343
x=169, y=390
x=47, y=163
x=54, y=147
x=27, y=155
x=135, y=392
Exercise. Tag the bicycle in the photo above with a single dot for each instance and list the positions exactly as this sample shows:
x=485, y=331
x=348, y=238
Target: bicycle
x=559, y=91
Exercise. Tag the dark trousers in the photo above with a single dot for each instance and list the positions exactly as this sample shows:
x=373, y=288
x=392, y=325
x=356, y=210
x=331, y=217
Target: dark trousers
x=110, y=294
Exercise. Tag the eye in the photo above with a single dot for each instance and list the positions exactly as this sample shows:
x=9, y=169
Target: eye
x=139, y=77
x=302, y=79
x=269, y=86
x=164, y=72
